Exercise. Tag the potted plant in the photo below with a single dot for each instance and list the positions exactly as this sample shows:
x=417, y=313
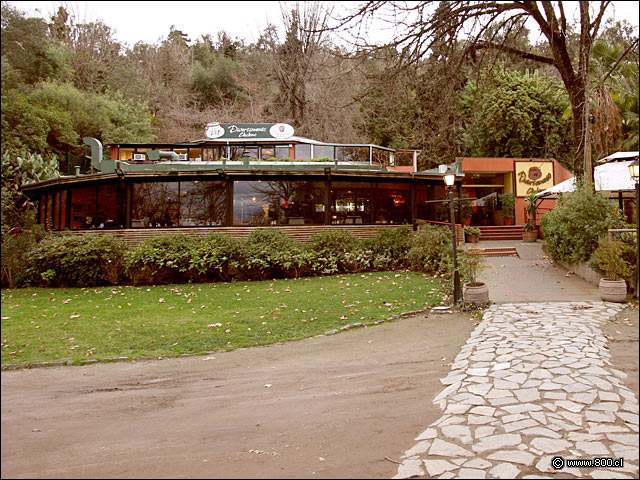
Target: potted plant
x=473, y=290
x=530, y=231
x=472, y=234
x=508, y=201
x=466, y=211
x=608, y=259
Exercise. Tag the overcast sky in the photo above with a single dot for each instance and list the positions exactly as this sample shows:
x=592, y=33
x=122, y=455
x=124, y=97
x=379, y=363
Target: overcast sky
x=150, y=21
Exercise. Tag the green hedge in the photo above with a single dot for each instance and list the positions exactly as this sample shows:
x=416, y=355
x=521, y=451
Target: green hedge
x=82, y=261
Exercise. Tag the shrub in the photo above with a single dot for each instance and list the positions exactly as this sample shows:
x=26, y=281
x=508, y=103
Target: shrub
x=14, y=251
x=215, y=257
x=77, y=261
x=337, y=251
x=430, y=250
x=390, y=248
x=607, y=259
x=162, y=259
x=573, y=227
x=271, y=254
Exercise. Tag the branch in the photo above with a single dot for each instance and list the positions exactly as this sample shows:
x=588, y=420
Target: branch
x=520, y=53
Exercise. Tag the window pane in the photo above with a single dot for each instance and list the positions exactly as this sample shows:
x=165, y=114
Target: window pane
x=239, y=152
x=195, y=154
x=353, y=154
x=211, y=154
x=282, y=152
x=83, y=207
x=111, y=206
x=267, y=152
x=154, y=204
x=403, y=159
x=202, y=203
x=323, y=151
x=303, y=151
x=278, y=203
x=392, y=203
x=252, y=204
x=381, y=157
x=351, y=202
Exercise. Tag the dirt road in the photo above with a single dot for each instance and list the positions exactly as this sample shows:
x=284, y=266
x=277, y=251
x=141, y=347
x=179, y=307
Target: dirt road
x=329, y=407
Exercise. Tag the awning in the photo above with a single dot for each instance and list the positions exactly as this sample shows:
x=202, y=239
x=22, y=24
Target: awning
x=609, y=177
x=618, y=156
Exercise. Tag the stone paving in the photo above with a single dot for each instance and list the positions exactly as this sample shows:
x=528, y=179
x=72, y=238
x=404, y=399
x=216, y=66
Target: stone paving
x=533, y=382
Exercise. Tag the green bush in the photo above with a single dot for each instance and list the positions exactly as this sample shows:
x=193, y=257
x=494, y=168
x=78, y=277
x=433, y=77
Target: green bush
x=215, y=258
x=76, y=261
x=271, y=254
x=430, y=249
x=572, y=229
x=14, y=251
x=607, y=259
x=162, y=259
x=390, y=248
x=337, y=251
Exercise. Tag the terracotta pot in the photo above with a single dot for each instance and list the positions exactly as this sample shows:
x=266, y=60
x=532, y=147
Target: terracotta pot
x=531, y=236
x=613, y=290
x=475, y=292
x=509, y=221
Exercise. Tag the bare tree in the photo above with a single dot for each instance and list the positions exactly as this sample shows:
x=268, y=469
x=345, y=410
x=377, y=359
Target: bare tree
x=421, y=26
x=297, y=56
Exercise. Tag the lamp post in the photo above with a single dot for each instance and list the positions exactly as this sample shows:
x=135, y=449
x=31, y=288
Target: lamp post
x=633, y=171
x=449, y=179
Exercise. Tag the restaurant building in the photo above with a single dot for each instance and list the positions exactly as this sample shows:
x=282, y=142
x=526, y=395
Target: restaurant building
x=241, y=176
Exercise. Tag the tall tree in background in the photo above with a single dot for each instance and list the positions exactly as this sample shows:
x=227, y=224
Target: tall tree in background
x=419, y=26
x=297, y=56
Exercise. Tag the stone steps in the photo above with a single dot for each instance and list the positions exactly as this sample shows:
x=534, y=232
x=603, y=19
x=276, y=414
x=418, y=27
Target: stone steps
x=506, y=232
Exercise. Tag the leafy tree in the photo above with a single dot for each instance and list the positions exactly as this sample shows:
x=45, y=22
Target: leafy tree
x=516, y=115
x=565, y=47
x=26, y=46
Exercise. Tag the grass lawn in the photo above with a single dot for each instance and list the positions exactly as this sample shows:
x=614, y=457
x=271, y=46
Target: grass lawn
x=57, y=324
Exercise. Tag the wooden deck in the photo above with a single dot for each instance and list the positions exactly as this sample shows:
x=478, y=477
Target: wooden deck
x=135, y=236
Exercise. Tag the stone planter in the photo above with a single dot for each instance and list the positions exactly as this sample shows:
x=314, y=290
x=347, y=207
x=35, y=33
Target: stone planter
x=475, y=292
x=613, y=290
x=531, y=236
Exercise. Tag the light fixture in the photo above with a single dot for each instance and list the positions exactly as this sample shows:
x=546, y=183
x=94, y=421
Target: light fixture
x=633, y=170
x=449, y=177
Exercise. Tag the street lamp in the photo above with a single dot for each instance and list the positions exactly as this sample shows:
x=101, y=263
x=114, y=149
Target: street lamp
x=633, y=171
x=449, y=180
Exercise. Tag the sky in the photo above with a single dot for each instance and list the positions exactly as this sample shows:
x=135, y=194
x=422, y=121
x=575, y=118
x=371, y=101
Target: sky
x=150, y=22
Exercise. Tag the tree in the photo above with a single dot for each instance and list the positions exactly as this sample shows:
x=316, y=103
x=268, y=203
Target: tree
x=517, y=115
x=421, y=25
x=296, y=57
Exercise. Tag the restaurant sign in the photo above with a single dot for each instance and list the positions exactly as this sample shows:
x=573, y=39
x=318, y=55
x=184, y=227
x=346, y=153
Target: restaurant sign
x=278, y=131
x=533, y=177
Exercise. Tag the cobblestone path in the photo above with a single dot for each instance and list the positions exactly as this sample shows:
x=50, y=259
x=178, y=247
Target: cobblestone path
x=533, y=382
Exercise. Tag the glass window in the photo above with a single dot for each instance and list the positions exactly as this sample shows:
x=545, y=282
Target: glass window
x=239, y=152
x=303, y=151
x=195, y=154
x=381, y=157
x=49, y=212
x=282, y=151
x=202, y=203
x=125, y=154
x=353, y=154
x=351, y=202
x=403, y=159
x=323, y=151
x=111, y=207
x=155, y=204
x=432, y=203
x=392, y=203
x=212, y=154
x=278, y=203
x=267, y=152
x=83, y=207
